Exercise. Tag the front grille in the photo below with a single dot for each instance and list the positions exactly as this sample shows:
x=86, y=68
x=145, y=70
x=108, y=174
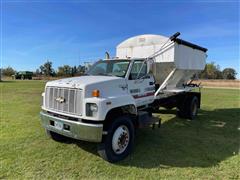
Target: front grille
x=71, y=100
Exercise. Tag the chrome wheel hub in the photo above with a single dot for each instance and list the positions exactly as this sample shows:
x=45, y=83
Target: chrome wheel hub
x=120, y=139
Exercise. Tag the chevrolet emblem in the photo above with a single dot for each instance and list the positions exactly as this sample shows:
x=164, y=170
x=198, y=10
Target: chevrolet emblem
x=60, y=99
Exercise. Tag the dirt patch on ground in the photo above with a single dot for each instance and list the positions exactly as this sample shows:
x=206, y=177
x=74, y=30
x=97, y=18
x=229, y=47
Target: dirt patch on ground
x=219, y=83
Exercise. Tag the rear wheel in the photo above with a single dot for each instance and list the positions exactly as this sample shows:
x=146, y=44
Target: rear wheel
x=189, y=108
x=193, y=107
x=118, y=143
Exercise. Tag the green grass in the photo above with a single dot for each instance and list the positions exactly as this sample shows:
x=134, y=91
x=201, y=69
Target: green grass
x=207, y=148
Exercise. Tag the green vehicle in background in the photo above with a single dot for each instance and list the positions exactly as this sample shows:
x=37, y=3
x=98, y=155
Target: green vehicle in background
x=23, y=75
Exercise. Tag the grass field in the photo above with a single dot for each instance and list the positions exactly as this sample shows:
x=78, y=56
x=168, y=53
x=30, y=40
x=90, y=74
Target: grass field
x=207, y=148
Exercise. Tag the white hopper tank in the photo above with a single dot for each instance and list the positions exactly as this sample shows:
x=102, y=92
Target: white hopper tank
x=173, y=66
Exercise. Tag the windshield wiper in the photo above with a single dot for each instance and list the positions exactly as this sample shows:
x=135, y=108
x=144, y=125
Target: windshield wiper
x=104, y=74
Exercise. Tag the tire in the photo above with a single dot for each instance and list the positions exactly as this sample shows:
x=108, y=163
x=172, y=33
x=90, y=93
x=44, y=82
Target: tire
x=112, y=149
x=55, y=136
x=189, y=108
x=182, y=111
x=192, y=110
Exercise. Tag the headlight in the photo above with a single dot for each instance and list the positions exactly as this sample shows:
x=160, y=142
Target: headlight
x=91, y=109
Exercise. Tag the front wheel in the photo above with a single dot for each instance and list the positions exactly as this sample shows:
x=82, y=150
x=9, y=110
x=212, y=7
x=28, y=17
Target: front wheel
x=119, y=141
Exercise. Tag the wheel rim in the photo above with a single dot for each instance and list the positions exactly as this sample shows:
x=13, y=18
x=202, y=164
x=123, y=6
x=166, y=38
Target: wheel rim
x=120, y=139
x=194, y=108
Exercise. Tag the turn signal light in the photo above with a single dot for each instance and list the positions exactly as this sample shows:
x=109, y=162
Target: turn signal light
x=95, y=93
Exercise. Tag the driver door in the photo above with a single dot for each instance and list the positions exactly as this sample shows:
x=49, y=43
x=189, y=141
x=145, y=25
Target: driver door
x=141, y=84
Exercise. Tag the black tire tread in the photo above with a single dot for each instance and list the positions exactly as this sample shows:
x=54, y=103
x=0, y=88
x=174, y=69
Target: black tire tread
x=105, y=148
x=185, y=110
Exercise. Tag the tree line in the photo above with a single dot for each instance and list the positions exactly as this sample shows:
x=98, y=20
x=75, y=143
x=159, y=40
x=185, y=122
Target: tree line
x=211, y=71
x=47, y=70
x=63, y=71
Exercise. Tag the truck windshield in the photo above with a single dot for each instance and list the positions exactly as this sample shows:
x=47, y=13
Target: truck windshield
x=109, y=68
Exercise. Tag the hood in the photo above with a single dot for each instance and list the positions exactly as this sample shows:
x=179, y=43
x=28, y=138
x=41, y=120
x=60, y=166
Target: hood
x=81, y=81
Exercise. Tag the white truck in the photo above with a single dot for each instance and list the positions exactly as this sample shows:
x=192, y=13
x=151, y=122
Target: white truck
x=117, y=96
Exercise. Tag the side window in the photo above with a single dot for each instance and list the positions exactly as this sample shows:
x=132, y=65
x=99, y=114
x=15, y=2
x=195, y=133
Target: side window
x=134, y=74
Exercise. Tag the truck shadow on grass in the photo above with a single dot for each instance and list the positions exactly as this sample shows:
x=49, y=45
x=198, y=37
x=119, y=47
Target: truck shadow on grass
x=206, y=141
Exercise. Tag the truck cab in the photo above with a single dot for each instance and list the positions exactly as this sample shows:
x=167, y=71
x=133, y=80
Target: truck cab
x=139, y=83
x=83, y=107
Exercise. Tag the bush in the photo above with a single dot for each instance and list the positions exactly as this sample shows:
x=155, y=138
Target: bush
x=212, y=71
x=9, y=71
x=229, y=73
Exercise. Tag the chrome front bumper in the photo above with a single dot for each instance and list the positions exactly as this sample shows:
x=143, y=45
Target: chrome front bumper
x=76, y=130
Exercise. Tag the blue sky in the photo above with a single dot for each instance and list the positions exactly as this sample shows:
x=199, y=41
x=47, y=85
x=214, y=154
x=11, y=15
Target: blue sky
x=72, y=32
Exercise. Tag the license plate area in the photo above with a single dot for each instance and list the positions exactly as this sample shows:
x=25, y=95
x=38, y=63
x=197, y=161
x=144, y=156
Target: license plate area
x=59, y=125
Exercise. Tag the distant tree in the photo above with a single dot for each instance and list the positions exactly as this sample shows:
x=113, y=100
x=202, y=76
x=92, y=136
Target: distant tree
x=229, y=73
x=60, y=71
x=9, y=71
x=74, y=71
x=46, y=69
x=211, y=71
x=81, y=70
x=0, y=74
x=65, y=70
